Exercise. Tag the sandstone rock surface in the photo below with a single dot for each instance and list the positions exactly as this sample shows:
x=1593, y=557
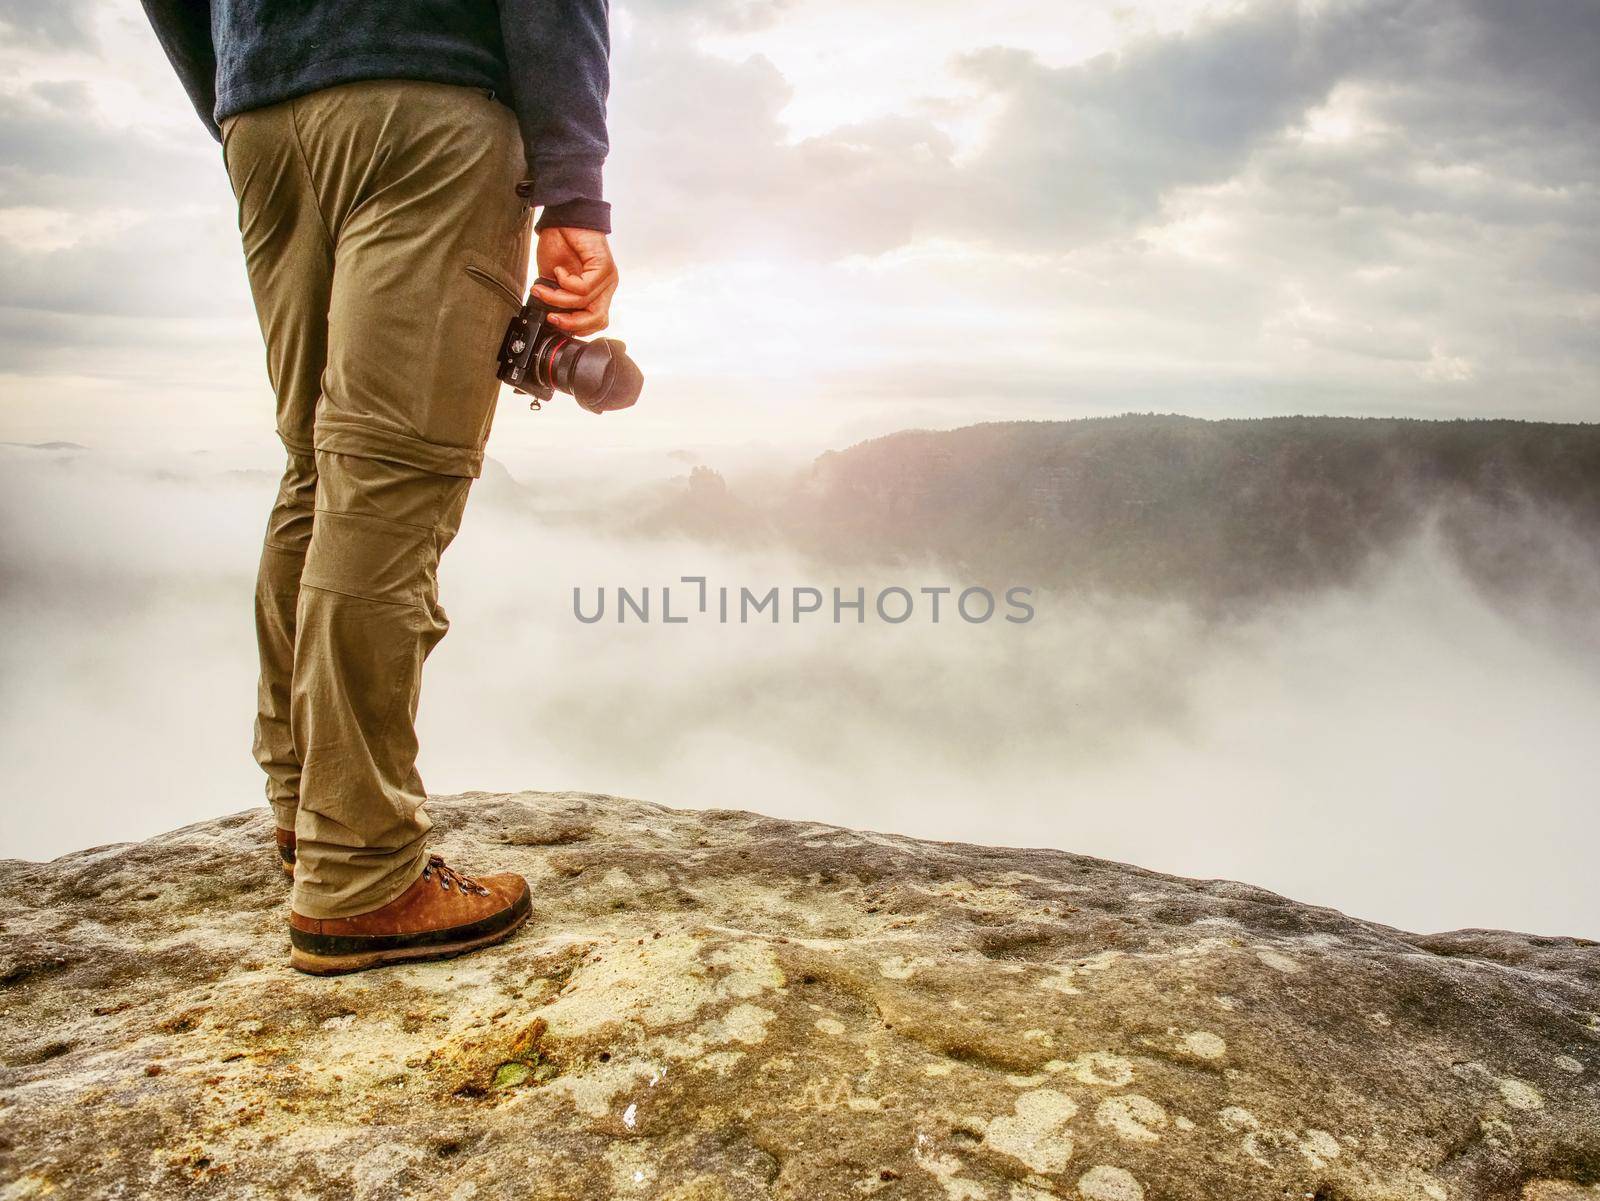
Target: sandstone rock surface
x=716, y=1005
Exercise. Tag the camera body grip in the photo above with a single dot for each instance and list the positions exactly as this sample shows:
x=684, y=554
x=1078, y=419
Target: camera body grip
x=538, y=360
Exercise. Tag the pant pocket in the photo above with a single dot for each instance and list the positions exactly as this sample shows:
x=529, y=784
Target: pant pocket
x=500, y=282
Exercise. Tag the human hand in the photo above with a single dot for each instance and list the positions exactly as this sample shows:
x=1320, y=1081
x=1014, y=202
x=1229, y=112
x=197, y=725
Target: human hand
x=580, y=262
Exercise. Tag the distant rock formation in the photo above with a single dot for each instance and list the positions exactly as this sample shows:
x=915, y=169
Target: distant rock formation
x=705, y=508
x=704, y=482
x=711, y=1006
x=1208, y=511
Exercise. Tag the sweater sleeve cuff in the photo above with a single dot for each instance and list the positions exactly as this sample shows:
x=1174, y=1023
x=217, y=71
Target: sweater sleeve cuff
x=577, y=214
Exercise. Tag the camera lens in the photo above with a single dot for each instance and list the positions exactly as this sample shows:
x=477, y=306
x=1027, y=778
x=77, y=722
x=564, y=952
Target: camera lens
x=599, y=374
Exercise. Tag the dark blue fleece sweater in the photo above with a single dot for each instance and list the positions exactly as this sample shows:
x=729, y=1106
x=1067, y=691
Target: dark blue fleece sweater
x=547, y=59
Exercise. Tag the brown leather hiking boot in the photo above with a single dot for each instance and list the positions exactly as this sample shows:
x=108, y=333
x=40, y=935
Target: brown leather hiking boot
x=285, y=842
x=442, y=914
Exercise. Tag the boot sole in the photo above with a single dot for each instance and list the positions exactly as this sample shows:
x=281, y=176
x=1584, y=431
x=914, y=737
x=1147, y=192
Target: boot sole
x=314, y=964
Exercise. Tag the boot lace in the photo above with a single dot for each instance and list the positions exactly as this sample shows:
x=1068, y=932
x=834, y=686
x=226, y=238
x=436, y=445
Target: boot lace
x=446, y=876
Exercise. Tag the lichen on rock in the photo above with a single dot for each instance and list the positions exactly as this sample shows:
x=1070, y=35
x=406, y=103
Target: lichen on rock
x=716, y=1005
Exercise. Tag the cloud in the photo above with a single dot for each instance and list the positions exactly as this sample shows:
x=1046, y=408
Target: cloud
x=707, y=169
x=1345, y=748
x=1354, y=163
x=1350, y=205
x=121, y=225
x=1508, y=86
x=60, y=24
x=1089, y=149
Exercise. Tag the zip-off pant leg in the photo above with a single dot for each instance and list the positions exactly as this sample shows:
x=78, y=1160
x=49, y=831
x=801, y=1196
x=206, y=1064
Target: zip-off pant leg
x=289, y=259
x=386, y=249
x=283, y=557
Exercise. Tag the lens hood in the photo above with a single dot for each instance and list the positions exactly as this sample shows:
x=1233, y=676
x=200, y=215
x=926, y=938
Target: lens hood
x=604, y=378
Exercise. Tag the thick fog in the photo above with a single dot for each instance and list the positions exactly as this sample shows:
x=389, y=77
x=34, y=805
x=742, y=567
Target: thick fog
x=1402, y=748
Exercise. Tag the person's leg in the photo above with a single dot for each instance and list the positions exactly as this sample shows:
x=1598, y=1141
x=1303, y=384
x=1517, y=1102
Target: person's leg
x=416, y=182
x=368, y=617
x=283, y=556
x=289, y=260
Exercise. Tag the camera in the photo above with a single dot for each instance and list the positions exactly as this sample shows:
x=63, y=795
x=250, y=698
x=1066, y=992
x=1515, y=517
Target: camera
x=539, y=360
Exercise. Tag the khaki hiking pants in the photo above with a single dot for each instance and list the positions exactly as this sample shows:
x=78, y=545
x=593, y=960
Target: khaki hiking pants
x=386, y=248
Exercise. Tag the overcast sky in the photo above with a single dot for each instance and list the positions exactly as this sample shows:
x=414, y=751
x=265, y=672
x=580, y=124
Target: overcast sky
x=837, y=217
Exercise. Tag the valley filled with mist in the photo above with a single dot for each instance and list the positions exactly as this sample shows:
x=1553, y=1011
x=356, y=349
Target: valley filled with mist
x=1353, y=660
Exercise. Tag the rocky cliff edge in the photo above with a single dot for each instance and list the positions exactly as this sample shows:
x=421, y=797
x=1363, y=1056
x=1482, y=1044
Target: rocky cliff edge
x=715, y=1005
